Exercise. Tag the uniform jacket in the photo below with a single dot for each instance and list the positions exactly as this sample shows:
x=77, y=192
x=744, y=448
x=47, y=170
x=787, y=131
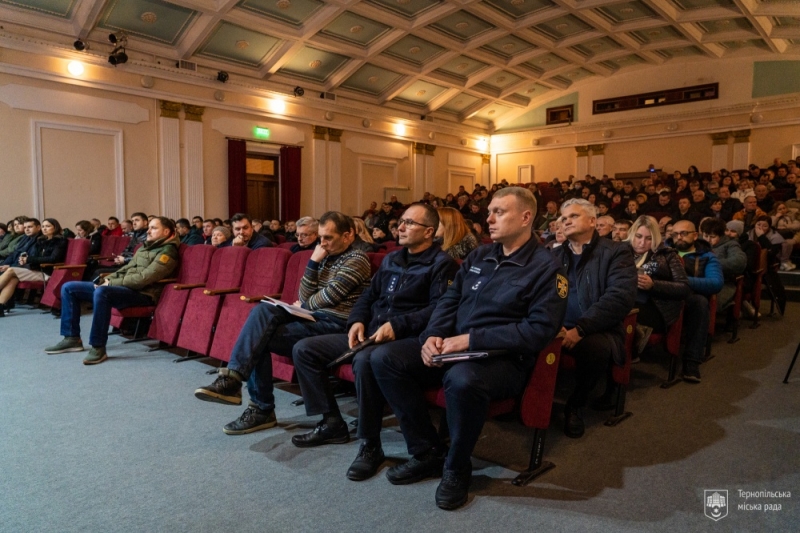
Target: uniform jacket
x=150, y=264
x=606, y=288
x=703, y=269
x=515, y=303
x=670, y=284
x=404, y=294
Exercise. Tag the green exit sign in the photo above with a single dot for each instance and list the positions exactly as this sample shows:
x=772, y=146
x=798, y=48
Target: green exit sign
x=261, y=133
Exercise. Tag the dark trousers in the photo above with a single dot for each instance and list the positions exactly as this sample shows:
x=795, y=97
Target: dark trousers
x=311, y=357
x=593, y=357
x=469, y=386
x=695, y=327
x=103, y=299
x=271, y=329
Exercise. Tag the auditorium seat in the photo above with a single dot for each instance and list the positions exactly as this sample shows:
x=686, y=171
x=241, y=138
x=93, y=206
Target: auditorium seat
x=70, y=270
x=282, y=367
x=375, y=260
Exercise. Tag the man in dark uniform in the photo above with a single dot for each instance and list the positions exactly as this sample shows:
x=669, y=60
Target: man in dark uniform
x=398, y=305
x=504, y=297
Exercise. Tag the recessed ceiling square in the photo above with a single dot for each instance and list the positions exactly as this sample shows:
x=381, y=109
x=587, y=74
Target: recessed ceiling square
x=149, y=19
x=462, y=26
x=516, y=9
x=534, y=91
x=229, y=42
x=546, y=62
x=459, y=103
x=463, y=67
x=596, y=47
x=294, y=12
x=501, y=80
x=56, y=8
x=627, y=12
x=725, y=25
x=414, y=50
x=749, y=43
x=313, y=64
x=407, y=8
x=562, y=27
x=492, y=112
x=687, y=5
x=371, y=79
x=508, y=46
x=654, y=35
x=355, y=29
x=420, y=93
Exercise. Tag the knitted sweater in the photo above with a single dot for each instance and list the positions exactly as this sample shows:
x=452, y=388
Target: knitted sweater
x=333, y=285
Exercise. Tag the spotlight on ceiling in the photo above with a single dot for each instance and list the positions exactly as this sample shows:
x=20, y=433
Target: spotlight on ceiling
x=80, y=45
x=118, y=56
x=299, y=91
x=117, y=38
x=222, y=76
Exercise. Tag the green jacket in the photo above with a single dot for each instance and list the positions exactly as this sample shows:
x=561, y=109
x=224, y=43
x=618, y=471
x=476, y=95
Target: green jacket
x=9, y=244
x=151, y=263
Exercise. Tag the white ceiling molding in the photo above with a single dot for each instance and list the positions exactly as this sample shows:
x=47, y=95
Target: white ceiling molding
x=244, y=129
x=71, y=104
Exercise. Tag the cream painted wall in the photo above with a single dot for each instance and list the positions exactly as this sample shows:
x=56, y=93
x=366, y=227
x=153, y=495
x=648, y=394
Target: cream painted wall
x=769, y=143
x=547, y=164
x=667, y=154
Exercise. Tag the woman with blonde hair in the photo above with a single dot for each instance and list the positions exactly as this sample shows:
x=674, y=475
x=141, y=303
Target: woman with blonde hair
x=363, y=240
x=457, y=238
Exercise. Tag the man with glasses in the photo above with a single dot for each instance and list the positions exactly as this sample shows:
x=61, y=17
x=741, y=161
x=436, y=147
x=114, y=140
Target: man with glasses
x=306, y=234
x=705, y=279
x=397, y=305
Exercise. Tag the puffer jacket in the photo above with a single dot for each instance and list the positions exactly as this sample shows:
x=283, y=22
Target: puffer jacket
x=703, y=269
x=670, y=284
x=731, y=257
x=150, y=264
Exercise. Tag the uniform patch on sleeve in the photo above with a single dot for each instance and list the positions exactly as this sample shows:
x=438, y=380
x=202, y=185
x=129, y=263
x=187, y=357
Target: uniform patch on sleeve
x=164, y=259
x=562, y=286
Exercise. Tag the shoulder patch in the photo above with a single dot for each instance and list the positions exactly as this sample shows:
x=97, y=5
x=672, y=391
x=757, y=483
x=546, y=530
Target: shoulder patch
x=164, y=259
x=562, y=286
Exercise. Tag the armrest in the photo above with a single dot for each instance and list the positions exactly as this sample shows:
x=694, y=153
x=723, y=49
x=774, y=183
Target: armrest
x=61, y=267
x=220, y=291
x=43, y=265
x=167, y=280
x=252, y=299
x=188, y=286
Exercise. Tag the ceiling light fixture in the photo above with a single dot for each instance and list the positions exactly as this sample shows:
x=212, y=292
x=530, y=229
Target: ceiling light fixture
x=223, y=76
x=118, y=55
x=75, y=68
x=299, y=91
x=80, y=45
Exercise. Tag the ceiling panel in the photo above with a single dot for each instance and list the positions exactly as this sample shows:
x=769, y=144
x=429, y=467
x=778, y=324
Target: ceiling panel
x=460, y=102
x=150, y=19
x=700, y=4
x=463, y=67
x=313, y=64
x=627, y=12
x=493, y=112
x=597, y=47
x=56, y=8
x=725, y=25
x=508, y=46
x=462, y=26
x=420, y=93
x=229, y=42
x=516, y=9
x=407, y=8
x=654, y=35
x=562, y=27
x=294, y=12
x=371, y=79
x=355, y=29
x=414, y=50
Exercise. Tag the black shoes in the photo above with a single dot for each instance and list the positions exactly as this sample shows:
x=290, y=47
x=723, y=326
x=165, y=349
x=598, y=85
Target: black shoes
x=419, y=467
x=573, y=422
x=253, y=419
x=608, y=401
x=323, y=434
x=226, y=389
x=367, y=462
x=691, y=372
x=453, y=490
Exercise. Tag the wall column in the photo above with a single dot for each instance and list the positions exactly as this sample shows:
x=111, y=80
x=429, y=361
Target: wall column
x=192, y=171
x=169, y=158
x=597, y=162
x=319, y=171
x=334, y=169
x=741, y=149
x=486, y=159
x=430, y=166
x=418, y=153
x=719, y=150
x=582, y=162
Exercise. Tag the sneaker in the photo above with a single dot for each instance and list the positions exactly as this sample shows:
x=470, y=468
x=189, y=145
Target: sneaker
x=95, y=356
x=67, y=344
x=573, y=422
x=367, y=462
x=419, y=467
x=253, y=419
x=323, y=434
x=226, y=389
x=642, y=337
x=691, y=372
x=453, y=490
x=787, y=266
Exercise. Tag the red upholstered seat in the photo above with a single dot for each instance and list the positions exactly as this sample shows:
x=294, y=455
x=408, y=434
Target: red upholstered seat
x=263, y=275
x=70, y=270
x=107, y=245
x=282, y=367
x=202, y=310
x=286, y=245
x=280, y=239
x=375, y=260
x=119, y=245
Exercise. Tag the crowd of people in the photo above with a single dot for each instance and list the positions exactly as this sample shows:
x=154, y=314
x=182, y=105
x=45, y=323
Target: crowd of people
x=486, y=271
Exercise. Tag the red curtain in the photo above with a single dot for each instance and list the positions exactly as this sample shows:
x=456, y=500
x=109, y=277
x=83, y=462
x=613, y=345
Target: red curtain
x=290, y=182
x=237, y=177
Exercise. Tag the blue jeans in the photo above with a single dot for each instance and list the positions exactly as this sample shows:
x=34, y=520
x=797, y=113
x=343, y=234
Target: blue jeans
x=103, y=300
x=271, y=329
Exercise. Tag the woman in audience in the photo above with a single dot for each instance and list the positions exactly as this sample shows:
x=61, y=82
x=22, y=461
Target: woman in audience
x=769, y=239
x=12, y=238
x=85, y=230
x=662, y=283
x=457, y=239
x=785, y=221
x=50, y=248
x=220, y=236
x=363, y=240
x=381, y=234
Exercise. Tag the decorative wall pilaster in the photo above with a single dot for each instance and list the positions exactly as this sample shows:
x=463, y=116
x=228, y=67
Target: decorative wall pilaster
x=192, y=171
x=430, y=166
x=169, y=158
x=334, y=151
x=319, y=170
x=597, y=161
x=741, y=149
x=420, y=184
x=719, y=150
x=486, y=160
x=582, y=162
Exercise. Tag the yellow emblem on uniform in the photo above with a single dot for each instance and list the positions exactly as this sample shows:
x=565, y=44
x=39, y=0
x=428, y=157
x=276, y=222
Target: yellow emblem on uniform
x=562, y=285
x=630, y=330
x=164, y=259
x=551, y=358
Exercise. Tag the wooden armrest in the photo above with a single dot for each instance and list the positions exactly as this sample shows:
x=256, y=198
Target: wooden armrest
x=188, y=286
x=168, y=280
x=220, y=291
x=102, y=258
x=43, y=265
x=251, y=299
x=61, y=267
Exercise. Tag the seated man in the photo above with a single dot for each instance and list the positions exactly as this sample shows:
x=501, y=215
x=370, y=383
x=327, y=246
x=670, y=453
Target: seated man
x=705, y=279
x=602, y=291
x=135, y=284
x=621, y=228
x=113, y=228
x=506, y=296
x=307, y=235
x=335, y=277
x=208, y=229
x=140, y=232
x=397, y=305
x=188, y=234
x=291, y=231
x=730, y=255
x=245, y=235
x=749, y=213
x=605, y=226
x=127, y=228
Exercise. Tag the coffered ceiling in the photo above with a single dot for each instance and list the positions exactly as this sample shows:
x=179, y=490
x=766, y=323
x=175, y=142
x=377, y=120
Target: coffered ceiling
x=490, y=61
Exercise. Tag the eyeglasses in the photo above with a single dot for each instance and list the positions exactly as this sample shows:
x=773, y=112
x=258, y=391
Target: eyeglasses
x=683, y=234
x=410, y=223
x=304, y=235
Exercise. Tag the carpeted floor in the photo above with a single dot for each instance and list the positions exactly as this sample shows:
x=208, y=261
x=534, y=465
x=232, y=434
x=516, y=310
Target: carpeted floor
x=125, y=447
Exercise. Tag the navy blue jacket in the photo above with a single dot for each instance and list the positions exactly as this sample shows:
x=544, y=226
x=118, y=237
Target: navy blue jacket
x=404, y=294
x=703, y=269
x=26, y=245
x=516, y=304
x=194, y=236
x=259, y=241
x=607, y=288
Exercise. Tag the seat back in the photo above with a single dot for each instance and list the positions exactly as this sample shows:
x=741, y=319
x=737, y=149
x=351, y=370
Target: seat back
x=77, y=254
x=375, y=261
x=537, y=399
x=294, y=273
x=121, y=244
x=108, y=245
x=622, y=374
x=263, y=275
x=280, y=239
x=286, y=245
x=202, y=310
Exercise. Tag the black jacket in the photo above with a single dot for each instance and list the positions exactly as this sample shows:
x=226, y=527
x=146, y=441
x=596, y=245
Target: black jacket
x=138, y=237
x=27, y=245
x=516, y=303
x=47, y=251
x=670, y=284
x=404, y=294
x=607, y=288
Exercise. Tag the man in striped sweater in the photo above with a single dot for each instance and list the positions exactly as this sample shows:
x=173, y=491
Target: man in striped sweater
x=335, y=277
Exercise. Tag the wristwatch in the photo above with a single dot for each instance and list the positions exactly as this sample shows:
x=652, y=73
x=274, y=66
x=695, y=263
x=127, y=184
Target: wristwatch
x=580, y=331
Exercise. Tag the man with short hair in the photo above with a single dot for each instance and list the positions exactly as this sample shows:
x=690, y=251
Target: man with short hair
x=604, y=226
x=127, y=228
x=730, y=255
x=508, y=296
x=705, y=279
x=197, y=222
x=32, y=229
x=764, y=201
x=112, y=228
x=245, y=235
x=602, y=291
x=140, y=230
x=291, y=231
x=621, y=228
x=307, y=236
x=335, y=277
x=133, y=285
x=729, y=205
x=208, y=229
x=685, y=211
x=551, y=213
x=749, y=213
x=661, y=204
x=397, y=305
x=187, y=233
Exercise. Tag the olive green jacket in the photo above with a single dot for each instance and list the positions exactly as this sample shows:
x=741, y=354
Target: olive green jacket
x=151, y=263
x=9, y=243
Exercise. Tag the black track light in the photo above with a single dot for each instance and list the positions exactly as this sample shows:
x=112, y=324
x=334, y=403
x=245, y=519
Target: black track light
x=222, y=76
x=80, y=45
x=118, y=56
x=299, y=91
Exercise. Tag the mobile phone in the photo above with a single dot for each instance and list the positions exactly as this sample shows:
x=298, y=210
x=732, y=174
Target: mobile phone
x=98, y=280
